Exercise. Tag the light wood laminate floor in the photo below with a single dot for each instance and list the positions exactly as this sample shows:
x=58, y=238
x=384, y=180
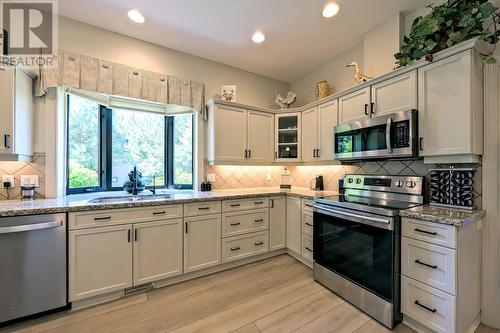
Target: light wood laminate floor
x=273, y=295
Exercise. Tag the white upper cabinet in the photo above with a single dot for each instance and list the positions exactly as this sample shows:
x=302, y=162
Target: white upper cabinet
x=354, y=106
x=327, y=119
x=227, y=140
x=309, y=134
x=260, y=133
x=16, y=114
x=395, y=95
x=157, y=250
x=450, y=99
x=288, y=137
x=238, y=135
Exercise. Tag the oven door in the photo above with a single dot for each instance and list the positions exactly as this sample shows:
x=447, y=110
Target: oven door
x=361, y=248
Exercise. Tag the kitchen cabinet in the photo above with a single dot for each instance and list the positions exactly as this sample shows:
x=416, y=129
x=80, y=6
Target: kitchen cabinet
x=202, y=242
x=157, y=250
x=16, y=112
x=277, y=223
x=239, y=135
x=394, y=95
x=354, y=106
x=317, y=132
x=288, y=137
x=260, y=131
x=100, y=261
x=293, y=224
x=450, y=99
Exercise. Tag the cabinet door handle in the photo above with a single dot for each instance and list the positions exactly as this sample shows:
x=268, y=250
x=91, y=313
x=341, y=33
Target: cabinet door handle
x=135, y=235
x=372, y=108
x=128, y=235
x=433, y=233
x=6, y=141
x=186, y=225
x=275, y=155
x=102, y=218
x=235, y=248
x=317, y=153
x=366, y=109
x=421, y=144
x=309, y=224
x=308, y=249
x=425, y=307
x=235, y=205
x=159, y=213
x=203, y=208
x=259, y=220
x=272, y=203
x=235, y=224
x=246, y=153
x=314, y=152
x=249, y=154
x=426, y=265
x=258, y=243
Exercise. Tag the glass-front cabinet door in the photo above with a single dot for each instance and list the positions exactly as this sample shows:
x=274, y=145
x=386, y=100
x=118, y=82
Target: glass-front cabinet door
x=288, y=126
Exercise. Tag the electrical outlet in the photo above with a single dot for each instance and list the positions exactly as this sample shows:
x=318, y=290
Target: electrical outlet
x=8, y=178
x=211, y=177
x=29, y=180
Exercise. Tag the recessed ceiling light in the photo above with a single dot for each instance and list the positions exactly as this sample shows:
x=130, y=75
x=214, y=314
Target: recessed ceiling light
x=331, y=10
x=136, y=16
x=258, y=37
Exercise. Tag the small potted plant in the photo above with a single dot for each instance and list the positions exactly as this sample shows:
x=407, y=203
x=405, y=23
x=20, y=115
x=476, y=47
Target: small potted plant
x=451, y=23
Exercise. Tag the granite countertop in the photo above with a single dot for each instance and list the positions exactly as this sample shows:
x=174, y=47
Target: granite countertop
x=80, y=202
x=455, y=217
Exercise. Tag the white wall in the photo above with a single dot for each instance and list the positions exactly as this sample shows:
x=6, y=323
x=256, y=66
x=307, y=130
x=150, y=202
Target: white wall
x=85, y=39
x=335, y=72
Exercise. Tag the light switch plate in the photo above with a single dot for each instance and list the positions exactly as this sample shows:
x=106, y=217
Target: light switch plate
x=8, y=178
x=211, y=177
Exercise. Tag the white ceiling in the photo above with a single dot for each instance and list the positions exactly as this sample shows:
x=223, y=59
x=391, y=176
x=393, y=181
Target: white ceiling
x=299, y=39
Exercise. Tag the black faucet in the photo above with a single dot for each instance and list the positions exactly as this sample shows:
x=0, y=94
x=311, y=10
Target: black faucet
x=134, y=179
x=153, y=190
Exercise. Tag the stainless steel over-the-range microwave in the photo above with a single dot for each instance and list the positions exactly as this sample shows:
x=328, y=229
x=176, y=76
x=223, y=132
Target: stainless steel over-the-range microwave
x=386, y=136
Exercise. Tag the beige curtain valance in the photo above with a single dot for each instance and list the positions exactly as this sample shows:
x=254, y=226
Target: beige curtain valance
x=97, y=75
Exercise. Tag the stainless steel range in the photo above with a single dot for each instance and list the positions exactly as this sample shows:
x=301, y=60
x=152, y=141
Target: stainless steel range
x=357, y=241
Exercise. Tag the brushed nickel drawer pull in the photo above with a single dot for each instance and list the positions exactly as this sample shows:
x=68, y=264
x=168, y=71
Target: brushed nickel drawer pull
x=159, y=213
x=235, y=224
x=425, y=307
x=235, y=248
x=426, y=265
x=426, y=232
x=102, y=218
x=259, y=220
x=308, y=249
x=259, y=243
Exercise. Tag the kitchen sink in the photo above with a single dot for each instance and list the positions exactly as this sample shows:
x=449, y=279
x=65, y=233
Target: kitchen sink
x=125, y=199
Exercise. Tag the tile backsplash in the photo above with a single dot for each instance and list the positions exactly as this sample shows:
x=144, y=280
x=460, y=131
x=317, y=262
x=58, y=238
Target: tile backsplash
x=18, y=169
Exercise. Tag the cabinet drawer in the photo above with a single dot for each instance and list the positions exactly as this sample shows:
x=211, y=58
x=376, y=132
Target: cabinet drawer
x=204, y=208
x=121, y=216
x=307, y=223
x=244, y=246
x=430, y=264
x=307, y=248
x=439, y=234
x=307, y=205
x=429, y=306
x=244, y=222
x=244, y=204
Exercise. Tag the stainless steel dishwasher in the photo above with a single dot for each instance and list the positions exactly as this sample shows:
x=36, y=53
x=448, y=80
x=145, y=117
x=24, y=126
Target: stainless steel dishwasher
x=32, y=265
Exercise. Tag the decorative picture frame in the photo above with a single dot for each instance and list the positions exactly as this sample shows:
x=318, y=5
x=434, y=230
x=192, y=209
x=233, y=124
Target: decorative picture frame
x=228, y=92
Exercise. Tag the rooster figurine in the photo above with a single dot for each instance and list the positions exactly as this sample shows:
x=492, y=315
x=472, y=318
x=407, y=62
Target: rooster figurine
x=359, y=76
x=283, y=102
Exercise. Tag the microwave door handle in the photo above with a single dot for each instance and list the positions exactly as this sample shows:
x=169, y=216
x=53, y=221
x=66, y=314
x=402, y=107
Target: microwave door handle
x=388, y=134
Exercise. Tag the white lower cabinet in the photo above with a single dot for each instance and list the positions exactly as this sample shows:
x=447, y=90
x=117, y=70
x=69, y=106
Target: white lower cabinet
x=157, y=250
x=239, y=247
x=202, y=242
x=277, y=223
x=293, y=224
x=100, y=261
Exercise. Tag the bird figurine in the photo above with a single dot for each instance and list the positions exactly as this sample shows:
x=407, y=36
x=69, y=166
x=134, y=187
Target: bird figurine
x=283, y=102
x=359, y=76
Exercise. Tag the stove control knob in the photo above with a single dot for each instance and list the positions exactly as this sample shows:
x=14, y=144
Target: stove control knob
x=350, y=180
x=399, y=183
x=358, y=181
x=410, y=184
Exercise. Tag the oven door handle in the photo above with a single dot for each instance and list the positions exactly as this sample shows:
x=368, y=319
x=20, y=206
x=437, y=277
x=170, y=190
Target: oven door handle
x=385, y=223
x=388, y=130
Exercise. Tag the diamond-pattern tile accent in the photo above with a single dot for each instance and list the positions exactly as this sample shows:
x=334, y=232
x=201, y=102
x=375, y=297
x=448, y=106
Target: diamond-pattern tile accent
x=18, y=169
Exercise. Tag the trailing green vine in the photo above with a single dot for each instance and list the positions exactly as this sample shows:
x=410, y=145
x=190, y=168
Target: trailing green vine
x=449, y=24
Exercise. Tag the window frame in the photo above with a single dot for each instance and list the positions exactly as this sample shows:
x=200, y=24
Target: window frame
x=106, y=158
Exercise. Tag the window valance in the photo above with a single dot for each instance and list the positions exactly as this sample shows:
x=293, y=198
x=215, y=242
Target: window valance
x=101, y=76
